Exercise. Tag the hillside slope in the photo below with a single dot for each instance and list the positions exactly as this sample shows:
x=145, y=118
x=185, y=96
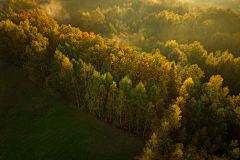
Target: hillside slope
x=36, y=125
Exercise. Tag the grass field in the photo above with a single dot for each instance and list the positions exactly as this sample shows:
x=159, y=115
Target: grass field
x=36, y=125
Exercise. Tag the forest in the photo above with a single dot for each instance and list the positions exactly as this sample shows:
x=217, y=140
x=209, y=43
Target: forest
x=165, y=71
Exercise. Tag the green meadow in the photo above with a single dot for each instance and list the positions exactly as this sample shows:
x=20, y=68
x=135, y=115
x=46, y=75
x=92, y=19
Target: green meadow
x=36, y=125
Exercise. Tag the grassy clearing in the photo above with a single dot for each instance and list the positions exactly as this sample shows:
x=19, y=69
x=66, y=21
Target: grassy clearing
x=36, y=125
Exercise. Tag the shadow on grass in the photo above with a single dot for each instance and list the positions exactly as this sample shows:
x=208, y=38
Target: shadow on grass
x=36, y=125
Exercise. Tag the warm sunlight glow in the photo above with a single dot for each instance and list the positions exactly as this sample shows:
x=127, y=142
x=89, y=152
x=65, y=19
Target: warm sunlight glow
x=120, y=79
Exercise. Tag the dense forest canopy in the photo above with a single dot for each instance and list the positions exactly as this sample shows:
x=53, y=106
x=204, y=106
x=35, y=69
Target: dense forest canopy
x=167, y=71
x=147, y=26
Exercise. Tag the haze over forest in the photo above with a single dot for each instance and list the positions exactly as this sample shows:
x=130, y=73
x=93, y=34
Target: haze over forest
x=104, y=4
x=165, y=71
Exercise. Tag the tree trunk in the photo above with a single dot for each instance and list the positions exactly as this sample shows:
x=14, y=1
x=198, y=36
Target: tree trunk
x=125, y=115
x=77, y=98
x=121, y=115
x=99, y=110
x=129, y=124
x=144, y=128
x=145, y=124
x=87, y=92
x=137, y=123
x=20, y=64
